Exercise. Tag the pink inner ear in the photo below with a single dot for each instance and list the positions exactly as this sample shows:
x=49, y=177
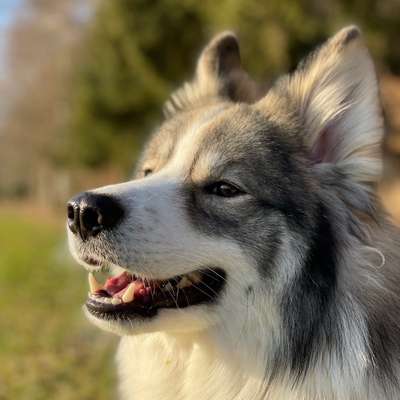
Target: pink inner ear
x=323, y=149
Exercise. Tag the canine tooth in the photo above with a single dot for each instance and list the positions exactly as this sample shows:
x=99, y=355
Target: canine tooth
x=184, y=282
x=115, y=301
x=129, y=293
x=168, y=286
x=195, y=277
x=93, y=284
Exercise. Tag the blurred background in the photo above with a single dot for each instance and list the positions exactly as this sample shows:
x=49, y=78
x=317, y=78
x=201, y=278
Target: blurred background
x=82, y=83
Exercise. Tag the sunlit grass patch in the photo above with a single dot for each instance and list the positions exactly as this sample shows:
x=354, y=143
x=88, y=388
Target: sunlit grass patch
x=47, y=349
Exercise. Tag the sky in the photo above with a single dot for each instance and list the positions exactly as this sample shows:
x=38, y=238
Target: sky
x=8, y=10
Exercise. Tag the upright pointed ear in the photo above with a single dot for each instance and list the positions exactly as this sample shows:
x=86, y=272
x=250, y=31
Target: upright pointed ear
x=334, y=97
x=219, y=74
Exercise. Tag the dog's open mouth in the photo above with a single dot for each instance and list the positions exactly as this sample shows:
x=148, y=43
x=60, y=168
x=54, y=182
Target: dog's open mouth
x=126, y=296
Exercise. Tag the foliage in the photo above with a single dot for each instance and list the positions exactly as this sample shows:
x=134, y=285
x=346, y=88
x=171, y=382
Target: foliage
x=137, y=51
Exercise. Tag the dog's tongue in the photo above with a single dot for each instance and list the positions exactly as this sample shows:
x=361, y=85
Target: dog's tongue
x=123, y=287
x=127, y=288
x=117, y=283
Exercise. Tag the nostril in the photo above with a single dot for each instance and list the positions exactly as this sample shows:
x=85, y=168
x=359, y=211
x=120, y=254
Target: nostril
x=91, y=220
x=70, y=212
x=73, y=217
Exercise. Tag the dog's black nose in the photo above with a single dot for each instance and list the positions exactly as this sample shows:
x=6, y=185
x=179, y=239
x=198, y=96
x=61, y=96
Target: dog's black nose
x=91, y=213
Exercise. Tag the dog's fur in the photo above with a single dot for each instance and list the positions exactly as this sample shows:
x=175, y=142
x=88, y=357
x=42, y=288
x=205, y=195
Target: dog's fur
x=310, y=308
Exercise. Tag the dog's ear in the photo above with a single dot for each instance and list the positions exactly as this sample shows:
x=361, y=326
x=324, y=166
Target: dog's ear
x=334, y=98
x=219, y=68
x=219, y=74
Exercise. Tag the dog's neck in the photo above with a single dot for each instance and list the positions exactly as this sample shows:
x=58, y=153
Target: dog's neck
x=169, y=367
x=162, y=366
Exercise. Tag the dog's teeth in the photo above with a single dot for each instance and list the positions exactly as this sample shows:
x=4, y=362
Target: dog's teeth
x=195, y=277
x=115, y=301
x=129, y=293
x=168, y=286
x=93, y=284
x=184, y=282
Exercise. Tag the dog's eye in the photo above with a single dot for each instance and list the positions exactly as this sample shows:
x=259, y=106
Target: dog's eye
x=147, y=171
x=223, y=189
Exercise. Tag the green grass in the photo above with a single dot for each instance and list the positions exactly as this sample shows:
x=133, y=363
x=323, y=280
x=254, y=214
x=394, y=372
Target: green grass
x=47, y=349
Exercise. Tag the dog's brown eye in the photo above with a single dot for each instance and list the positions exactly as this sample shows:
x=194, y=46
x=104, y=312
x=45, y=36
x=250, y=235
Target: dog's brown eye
x=223, y=189
x=147, y=171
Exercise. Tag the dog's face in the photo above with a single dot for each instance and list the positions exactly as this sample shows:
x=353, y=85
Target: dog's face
x=227, y=197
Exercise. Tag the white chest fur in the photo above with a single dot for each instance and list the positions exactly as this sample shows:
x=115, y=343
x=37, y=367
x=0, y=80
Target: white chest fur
x=160, y=366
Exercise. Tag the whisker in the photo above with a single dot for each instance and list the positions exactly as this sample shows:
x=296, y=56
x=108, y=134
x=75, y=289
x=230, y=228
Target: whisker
x=187, y=299
x=209, y=287
x=205, y=293
x=173, y=298
x=215, y=273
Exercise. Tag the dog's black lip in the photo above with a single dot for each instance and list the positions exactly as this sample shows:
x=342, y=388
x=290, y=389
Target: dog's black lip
x=120, y=311
x=206, y=292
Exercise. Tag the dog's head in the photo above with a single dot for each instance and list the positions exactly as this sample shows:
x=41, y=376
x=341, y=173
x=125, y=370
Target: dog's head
x=240, y=199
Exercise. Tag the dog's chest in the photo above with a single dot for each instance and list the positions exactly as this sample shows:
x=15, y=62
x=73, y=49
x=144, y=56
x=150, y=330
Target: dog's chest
x=162, y=367
x=156, y=366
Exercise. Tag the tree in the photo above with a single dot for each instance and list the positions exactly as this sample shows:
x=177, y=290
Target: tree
x=41, y=45
x=138, y=51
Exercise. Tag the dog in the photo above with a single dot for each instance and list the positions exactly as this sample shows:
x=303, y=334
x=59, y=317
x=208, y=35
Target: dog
x=250, y=257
